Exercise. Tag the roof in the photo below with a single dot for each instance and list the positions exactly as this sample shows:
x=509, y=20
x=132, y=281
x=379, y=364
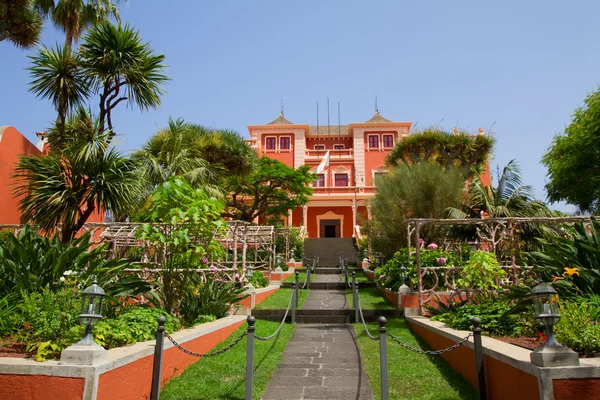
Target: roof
x=378, y=118
x=280, y=120
x=333, y=130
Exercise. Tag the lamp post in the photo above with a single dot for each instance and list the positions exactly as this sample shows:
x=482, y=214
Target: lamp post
x=87, y=351
x=403, y=290
x=545, y=309
x=278, y=261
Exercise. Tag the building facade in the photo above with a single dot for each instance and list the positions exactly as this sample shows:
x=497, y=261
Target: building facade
x=342, y=192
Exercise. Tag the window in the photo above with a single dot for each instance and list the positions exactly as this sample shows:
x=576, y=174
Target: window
x=271, y=143
x=319, y=147
x=284, y=143
x=341, y=179
x=388, y=141
x=338, y=147
x=320, y=181
x=373, y=141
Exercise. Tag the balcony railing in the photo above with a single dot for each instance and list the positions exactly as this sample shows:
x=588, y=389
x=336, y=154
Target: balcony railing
x=333, y=153
x=343, y=189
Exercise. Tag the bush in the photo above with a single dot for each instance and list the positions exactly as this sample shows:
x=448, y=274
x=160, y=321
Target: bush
x=259, y=280
x=134, y=325
x=579, y=326
x=481, y=272
x=4, y=236
x=493, y=322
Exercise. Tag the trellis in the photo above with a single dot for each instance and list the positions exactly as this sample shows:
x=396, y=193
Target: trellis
x=490, y=231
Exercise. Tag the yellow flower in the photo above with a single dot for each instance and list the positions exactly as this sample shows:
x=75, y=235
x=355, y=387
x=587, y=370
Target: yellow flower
x=571, y=271
x=557, y=278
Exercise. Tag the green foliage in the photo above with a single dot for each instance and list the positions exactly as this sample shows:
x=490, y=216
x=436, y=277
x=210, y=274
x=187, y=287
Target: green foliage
x=429, y=258
x=213, y=297
x=579, y=326
x=134, y=325
x=4, y=236
x=481, y=272
x=20, y=23
x=418, y=191
x=9, y=321
x=188, y=219
x=559, y=255
x=493, y=320
x=30, y=263
x=462, y=150
x=259, y=280
x=296, y=243
x=573, y=159
x=270, y=191
x=50, y=321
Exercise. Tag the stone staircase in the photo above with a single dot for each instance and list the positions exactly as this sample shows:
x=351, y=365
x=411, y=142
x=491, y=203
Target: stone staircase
x=329, y=250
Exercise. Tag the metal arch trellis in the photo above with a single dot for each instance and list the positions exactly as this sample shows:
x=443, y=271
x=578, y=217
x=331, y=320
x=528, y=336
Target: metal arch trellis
x=489, y=230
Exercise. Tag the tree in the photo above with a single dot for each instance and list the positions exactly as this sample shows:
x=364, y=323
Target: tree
x=20, y=23
x=75, y=16
x=422, y=190
x=204, y=157
x=573, y=159
x=63, y=190
x=271, y=191
x=113, y=63
x=460, y=150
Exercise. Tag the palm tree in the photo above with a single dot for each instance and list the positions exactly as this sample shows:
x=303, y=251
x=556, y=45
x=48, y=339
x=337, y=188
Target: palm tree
x=74, y=16
x=57, y=75
x=20, y=23
x=65, y=189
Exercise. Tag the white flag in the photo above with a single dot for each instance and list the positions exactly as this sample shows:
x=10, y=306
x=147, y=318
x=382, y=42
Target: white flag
x=324, y=163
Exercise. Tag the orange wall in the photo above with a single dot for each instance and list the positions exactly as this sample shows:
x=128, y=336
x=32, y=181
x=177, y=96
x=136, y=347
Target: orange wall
x=133, y=381
x=285, y=156
x=328, y=143
x=12, y=144
x=313, y=212
x=34, y=387
x=581, y=389
x=522, y=386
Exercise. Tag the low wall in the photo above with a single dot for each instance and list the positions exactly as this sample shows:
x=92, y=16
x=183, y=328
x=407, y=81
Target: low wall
x=126, y=375
x=256, y=297
x=509, y=373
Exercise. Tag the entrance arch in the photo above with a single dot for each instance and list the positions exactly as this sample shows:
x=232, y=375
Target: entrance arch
x=330, y=225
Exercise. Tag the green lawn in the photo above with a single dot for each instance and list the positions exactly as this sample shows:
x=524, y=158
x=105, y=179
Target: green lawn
x=223, y=377
x=280, y=300
x=370, y=299
x=410, y=375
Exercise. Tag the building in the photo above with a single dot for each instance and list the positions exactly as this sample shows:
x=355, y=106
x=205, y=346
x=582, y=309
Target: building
x=341, y=193
x=12, y=145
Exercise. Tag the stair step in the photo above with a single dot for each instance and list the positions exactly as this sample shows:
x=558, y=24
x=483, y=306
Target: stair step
x=341, y=316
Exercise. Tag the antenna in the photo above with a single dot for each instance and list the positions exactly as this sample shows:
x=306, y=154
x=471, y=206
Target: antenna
x=281, y=105
x=376, y=107
x=328, y=135
x=339, y=121
x=317, y=117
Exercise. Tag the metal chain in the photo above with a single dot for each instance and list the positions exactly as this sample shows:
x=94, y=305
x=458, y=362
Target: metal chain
x=282, y=322
x=363, y=321
x=431, y=352
x=216, y=353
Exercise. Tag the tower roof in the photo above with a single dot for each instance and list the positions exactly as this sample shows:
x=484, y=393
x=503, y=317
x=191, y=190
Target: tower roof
x=280, y=120
x=378, y=118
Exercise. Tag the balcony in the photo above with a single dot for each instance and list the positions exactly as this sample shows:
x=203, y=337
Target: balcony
x=333, y=153
x=342, y=190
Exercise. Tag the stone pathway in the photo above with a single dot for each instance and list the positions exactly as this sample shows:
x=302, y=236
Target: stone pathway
x=321, y=361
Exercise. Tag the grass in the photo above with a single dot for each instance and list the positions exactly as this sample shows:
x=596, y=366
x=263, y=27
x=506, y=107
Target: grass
x=280, y=300
x=410, y=375
x=223, y=377
x=370, y=299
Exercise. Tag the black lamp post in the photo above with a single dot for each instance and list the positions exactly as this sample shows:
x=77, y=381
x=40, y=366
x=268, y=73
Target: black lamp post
x=91, y=310
x=545, y=309
x=403, y=275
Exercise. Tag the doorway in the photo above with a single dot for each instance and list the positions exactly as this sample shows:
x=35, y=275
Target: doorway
x=330, y=228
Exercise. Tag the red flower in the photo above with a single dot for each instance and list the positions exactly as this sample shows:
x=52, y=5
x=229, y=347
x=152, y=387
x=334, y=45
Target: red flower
x=541, y=336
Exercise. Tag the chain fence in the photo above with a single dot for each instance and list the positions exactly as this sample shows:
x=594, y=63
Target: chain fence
x=431, y=352
x=282, y=321
x=210, y=354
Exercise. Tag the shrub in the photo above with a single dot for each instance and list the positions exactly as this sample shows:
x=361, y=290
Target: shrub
x=4, y=236
x=259, y=280
x=493, y=322
x=481, y=272
x=135, y=325
x=579, y=326
x=9, y=320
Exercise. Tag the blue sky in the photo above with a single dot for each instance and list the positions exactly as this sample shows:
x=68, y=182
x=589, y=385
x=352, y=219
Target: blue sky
x=517, y=67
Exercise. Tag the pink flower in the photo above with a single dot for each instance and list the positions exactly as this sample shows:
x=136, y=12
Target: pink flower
x=381, y=277
x=421, y=242
x=236, y=276
x=441, y=261
x=212, y=266
x=204, y=260
x=432, y=246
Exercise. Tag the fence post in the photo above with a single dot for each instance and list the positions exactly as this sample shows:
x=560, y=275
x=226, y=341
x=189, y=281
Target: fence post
x=355, y=297
x=296, y=287
x=250, y=357
x=383, y=357
x=308, y=278
x=157, y=365
x=479, y=358
x=294, y=302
